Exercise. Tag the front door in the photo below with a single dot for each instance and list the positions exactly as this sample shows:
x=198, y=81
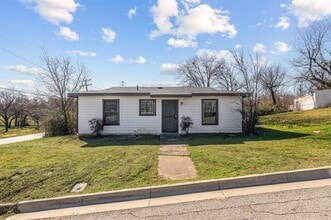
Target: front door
x=170, y=116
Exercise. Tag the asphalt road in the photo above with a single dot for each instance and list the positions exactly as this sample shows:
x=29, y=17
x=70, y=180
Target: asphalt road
x=312, y=203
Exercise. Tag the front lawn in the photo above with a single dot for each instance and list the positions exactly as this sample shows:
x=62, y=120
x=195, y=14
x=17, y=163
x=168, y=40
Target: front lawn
x=286, y=141
x=50, y=167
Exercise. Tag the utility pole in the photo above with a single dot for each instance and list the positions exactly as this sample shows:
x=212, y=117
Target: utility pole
x=87, y=84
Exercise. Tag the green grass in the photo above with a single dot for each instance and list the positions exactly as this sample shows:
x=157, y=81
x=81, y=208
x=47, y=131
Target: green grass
x=300, y=118
x=17, y=131
x=51, y=166
x=286, y=141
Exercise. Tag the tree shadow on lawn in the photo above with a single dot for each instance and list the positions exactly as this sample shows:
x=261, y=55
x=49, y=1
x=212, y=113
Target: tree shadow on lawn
x=264, y=134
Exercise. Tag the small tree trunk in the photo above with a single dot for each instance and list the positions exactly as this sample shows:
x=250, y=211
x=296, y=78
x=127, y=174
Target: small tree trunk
x=38, y=125
x=6, y=123
x=273, y=96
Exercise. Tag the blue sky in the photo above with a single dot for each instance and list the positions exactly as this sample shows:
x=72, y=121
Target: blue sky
x=141, y=42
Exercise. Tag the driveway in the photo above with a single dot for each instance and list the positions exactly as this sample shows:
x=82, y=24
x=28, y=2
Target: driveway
x=21, y=138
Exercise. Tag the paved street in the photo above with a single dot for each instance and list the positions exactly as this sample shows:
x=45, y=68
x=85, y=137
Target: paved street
x=313, y=203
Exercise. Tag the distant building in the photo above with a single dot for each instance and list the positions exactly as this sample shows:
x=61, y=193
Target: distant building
x=319, y=99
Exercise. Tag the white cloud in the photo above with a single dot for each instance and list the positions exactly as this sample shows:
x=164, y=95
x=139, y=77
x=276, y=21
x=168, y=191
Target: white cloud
x=181, y=42
x=82, y=53
x=68, y=34
x=282, y=47
x=117, y=59
x=24, y=69
x=140, y=60
x=164, y=83
x=221, y=54
x=204, y=19
x=259, y=48
x=308, y=11
x=237, y=46
x=169, y=68
x=283, y=23
x=189, y=22
x=189, y=3
x=29, y=83
x=162, y=13
x=53, y=11
x=108, y=35
x=132, y=12
x=283, y=5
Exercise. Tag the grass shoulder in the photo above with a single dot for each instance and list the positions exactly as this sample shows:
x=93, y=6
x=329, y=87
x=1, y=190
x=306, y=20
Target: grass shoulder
x=17, y=131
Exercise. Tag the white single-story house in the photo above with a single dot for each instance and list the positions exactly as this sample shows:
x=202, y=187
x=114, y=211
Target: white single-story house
x=318, y=99
x=157, y=110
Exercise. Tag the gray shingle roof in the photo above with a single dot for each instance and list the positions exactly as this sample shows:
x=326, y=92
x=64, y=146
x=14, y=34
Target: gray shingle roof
x=159, y=92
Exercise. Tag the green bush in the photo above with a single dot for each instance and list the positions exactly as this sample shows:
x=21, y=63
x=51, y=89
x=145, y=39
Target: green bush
x=55, y=125
x=96, y=126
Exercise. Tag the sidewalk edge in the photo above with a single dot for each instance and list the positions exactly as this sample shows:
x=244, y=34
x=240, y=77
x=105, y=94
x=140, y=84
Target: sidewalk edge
x=168, y=190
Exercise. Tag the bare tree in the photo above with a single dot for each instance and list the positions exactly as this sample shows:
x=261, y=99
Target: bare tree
x=37, y=110
x=7, y=102
x=272, y=79
x=61, y=77
x=313, y=60
x=200, y=71
x=20, y=110
x=250, y=68
x=227, y=77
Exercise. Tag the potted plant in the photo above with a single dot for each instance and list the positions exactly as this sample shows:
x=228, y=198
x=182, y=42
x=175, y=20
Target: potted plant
x=186, y=123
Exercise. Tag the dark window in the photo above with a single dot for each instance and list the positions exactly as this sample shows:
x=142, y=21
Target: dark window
x=147, y=107
x=111, y=112
x=209, y=111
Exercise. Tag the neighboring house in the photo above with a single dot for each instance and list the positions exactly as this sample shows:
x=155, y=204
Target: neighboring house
x=318, y=99
x=156, y=110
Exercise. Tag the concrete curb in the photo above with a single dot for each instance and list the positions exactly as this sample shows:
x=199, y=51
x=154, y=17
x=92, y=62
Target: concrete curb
x=174, y=189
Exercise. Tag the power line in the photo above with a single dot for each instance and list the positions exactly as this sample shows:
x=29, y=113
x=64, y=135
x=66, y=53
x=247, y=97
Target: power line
x=22, y=58
x=26, y=92
x=84, y=83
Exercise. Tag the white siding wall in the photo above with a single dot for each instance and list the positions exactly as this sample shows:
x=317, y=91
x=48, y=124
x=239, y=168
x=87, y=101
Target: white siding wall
x=304, y=103
x=229, y=116
x=323, y=98
x=130, y=121
x=318, y=99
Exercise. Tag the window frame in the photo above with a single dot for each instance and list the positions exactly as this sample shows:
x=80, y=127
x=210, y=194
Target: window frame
x=154, y=107
x=118, y=111
x=202, y=112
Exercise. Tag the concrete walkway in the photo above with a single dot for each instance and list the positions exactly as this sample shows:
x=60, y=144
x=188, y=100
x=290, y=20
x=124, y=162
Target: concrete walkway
x=174, y=160
x=21, y=138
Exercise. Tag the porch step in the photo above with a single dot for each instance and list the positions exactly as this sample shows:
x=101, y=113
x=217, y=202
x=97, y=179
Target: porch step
x=170, y=138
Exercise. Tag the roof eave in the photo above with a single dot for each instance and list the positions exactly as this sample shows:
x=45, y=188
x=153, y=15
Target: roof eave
x=108, y=94
x=76, y=94
x=171, y=95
